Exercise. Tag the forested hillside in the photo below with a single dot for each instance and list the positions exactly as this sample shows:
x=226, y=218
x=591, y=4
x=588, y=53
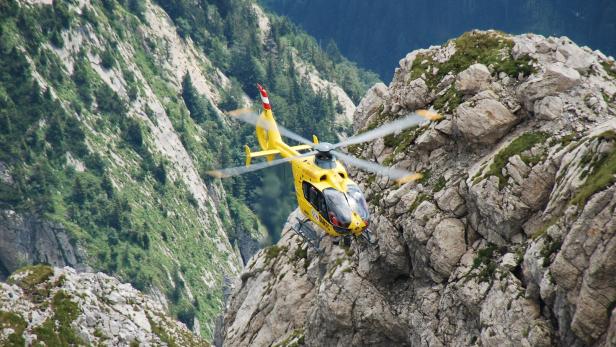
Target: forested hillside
x=228, y=31
x=377, y=34
x=112, y=111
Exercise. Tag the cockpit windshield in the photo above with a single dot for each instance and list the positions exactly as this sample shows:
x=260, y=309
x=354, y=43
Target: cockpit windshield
x=339, y=211
x=341, y=206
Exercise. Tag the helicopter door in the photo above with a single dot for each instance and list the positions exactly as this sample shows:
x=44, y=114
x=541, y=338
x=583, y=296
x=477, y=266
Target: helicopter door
x=315, y=198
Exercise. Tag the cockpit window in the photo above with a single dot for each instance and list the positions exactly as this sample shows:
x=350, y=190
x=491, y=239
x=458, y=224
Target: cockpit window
x=339, y=211
x=357, y=201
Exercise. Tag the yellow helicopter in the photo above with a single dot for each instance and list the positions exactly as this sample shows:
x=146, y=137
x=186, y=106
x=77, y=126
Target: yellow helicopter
x=325, y=193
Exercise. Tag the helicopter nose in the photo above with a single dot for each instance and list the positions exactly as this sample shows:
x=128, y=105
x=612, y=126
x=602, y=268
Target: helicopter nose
x=357, y=224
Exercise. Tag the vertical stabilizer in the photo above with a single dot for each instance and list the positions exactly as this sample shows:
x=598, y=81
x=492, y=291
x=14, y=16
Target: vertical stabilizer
x=267, y=131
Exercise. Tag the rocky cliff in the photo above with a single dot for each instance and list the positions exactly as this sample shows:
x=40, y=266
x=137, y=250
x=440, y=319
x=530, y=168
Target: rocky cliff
x=508, y=240
x=60, y=307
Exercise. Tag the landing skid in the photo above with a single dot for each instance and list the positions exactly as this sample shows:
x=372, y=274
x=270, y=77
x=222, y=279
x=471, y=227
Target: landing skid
x=310, y=236
x=368, y=236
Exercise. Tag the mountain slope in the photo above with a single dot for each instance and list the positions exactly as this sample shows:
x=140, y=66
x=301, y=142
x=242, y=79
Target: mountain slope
x=362, y=35
x=59, y=307
x=507, y=240
x=110, y=114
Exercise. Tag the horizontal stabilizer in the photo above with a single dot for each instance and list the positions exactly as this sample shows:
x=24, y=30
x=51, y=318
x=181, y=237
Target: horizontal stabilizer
x=269, y=153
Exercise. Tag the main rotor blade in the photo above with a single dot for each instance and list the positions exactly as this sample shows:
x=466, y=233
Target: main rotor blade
x=240, y=170
x=401, y=176
x=250, y=117
x=416, y=118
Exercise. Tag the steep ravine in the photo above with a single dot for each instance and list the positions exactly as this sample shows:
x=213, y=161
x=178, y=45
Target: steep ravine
x=110, y=115
x=508, y=240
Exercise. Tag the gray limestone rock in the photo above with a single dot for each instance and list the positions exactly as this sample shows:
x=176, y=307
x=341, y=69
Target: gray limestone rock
x=474, y=79
x=484, y=121
x=556, y=78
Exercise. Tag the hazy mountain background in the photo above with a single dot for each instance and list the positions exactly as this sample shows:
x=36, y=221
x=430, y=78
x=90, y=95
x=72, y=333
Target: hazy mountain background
x=377, y=34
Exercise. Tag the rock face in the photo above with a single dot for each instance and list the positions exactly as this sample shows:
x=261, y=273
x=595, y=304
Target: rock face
x=60, y=307
x=27, y=240
x=510, y=240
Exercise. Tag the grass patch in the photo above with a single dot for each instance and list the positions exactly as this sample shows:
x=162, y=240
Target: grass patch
x=449, y=101
x=484, y=260
x=602, y=174
x=473, y=47
x=295, y=339
x=406, y=138
x=161, y=333
x=544, y=228
x=551, y=246
x=610, y=68
x=35, y=275
x=302, y=254
x=517, y=146
x=418, y=200
x=13, y=321
x=57, y=331
x=439, y=184
x=273, y=252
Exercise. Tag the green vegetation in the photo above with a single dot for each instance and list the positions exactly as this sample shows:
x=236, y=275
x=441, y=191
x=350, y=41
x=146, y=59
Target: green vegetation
x=29, y=277
x=162, y=334
x=18, y=324
x=272, y=252
x=448, y=101
x=473, y=47
x=525, y=142
x=295, y=339
x=485, y=263
x=418, y=200
x=57, y=330
x=439, y=184
x=550, y=247
x=401, y=142
x=602, y=173
x=544, y=228
x=610, y=68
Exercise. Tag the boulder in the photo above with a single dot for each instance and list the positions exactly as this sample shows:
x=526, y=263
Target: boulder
x=575, y=57
x=449, y=200
x=416, y=95
x=556, y=78
x=484, y=121
x=549, y=108
x=447, y=245
x=474, y=79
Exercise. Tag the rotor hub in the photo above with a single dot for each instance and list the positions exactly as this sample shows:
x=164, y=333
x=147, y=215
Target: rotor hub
x=324, y=157
x=323, y=147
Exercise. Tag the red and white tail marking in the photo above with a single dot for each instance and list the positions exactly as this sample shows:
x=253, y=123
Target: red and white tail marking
x=264, y=98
